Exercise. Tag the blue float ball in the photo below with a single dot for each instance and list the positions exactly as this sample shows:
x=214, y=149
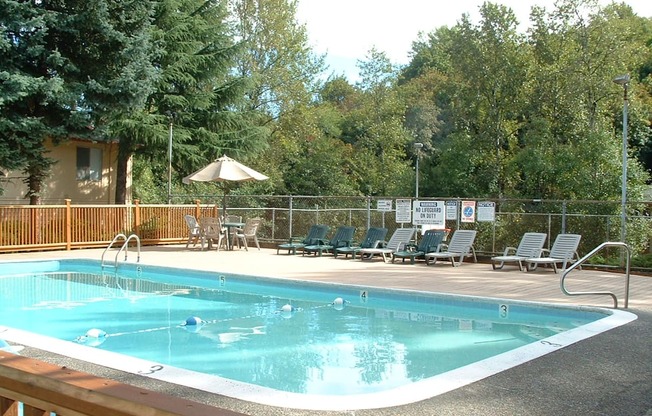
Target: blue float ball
x=193, y=320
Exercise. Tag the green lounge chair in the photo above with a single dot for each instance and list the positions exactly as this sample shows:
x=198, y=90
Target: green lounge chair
x=429, y=242
x=341, y=238
x=316, y=233
x=375, y=235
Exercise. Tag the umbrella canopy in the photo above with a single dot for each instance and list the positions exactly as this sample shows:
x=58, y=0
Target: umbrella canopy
x=225, y=169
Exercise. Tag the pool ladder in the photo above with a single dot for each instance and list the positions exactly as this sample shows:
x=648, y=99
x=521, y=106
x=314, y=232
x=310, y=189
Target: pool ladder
x=577, y=264
x=125, y=248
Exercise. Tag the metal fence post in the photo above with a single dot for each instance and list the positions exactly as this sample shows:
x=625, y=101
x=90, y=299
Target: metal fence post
x=368, y=212
x=68, y=225
x=290, y=218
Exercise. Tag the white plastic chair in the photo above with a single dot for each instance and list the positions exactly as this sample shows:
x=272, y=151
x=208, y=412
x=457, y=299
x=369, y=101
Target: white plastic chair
x=564, y=251
x=530, y=246
x=461, y=245
x=212, y=231
x=248, y=232
x=194, y=230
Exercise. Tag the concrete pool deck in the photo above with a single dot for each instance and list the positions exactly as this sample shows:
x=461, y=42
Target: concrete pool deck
x=608, y=374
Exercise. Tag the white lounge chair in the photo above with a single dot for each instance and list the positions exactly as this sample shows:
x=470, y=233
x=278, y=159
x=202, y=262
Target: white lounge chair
x=564, y=251
x=461, y=245
x=400, y=238
x=530, y=246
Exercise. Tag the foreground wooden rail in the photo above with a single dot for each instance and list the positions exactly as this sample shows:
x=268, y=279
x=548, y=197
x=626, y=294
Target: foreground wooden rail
x=46, y=389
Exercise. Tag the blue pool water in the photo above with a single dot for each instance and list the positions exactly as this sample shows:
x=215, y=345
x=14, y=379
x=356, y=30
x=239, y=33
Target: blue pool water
x=282, y=336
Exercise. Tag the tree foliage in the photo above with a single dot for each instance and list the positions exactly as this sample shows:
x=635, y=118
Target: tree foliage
x=501, y=112
x=66, y=67
x=533, y=116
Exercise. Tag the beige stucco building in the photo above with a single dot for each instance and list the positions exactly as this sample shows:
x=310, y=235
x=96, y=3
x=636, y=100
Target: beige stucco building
x=84, y=172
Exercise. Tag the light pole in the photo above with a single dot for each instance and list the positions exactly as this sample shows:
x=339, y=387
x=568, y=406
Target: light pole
x=624, y=81
x=171, y=118
x=418, y=147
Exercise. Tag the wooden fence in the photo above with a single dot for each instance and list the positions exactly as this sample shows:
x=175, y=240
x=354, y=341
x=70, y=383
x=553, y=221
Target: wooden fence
x=66, y=227
x=30, y=387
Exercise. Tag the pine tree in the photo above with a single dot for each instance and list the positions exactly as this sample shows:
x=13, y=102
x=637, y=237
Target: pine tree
x=67, y=68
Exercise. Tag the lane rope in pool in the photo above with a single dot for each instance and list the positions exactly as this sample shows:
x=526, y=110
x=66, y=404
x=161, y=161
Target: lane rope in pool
x=95, y=336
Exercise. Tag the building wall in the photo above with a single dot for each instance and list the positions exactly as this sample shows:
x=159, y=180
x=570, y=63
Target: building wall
x=63, y=182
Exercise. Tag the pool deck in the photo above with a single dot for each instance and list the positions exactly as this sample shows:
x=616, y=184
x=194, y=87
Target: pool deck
x=608, y=374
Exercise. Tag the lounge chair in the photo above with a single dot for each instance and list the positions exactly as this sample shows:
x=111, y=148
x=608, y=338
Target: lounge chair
x=342, y=238
x=530, y=246
x=460, y=246
x=564, y=251
x=248, y=232
x=399, y=240
x=316, y=233
x=374, y=236
x=429, y=243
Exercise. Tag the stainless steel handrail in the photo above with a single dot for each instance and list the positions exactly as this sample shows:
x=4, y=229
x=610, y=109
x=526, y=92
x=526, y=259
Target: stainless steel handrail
x=585, y=258
x=124, y=247
x=117, y=236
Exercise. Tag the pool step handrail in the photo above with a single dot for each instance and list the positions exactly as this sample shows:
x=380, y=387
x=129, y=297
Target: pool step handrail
x=578, y=263
x=115, y=239
x=124, y=248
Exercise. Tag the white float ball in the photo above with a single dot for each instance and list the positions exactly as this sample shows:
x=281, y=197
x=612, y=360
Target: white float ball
x=95, y=333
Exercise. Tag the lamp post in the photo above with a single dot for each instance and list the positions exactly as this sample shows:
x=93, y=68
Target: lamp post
x=624, y=81
x=418, y=147
x=171, y=118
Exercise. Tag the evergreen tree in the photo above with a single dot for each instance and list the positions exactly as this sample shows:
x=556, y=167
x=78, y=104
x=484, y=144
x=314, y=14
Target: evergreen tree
x=66, y=68
x=194, y=98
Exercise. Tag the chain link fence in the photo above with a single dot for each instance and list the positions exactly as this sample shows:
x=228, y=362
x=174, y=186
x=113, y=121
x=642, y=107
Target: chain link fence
x=597, y=221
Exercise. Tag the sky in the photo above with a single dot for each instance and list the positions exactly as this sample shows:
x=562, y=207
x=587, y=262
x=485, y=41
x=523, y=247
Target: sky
x=345, y=30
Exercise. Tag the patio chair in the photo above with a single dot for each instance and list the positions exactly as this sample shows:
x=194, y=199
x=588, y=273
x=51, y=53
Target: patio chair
x=460, y=246
x=233, y=218
x=248, y=232
x=342, y=238
x=530, y=246
x=429, y=243
x=399, y=240
x=316, y=233
x=373, y=237
x=564, y=251
x=212, y=231
x=194, y=231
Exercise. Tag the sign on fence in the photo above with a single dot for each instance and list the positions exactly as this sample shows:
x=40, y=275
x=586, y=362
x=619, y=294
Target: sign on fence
x=486, y=211
x=451, y=210
x=468, y=211
x=384, y=205
x=403, y=210
x=430, y=213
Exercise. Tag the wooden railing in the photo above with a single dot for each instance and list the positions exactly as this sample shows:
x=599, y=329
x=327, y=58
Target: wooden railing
x=64, y=227
x=41, y=388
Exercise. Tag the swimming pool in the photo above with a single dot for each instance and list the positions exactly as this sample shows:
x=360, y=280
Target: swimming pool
x=276, y=342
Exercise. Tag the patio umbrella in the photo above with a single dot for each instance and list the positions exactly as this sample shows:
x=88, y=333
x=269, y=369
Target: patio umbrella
x=225, y=169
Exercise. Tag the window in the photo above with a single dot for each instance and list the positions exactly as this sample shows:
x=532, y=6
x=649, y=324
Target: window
x=89, y=164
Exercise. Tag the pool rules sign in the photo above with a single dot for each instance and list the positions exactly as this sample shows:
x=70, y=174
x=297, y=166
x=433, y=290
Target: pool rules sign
x=429, y=213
